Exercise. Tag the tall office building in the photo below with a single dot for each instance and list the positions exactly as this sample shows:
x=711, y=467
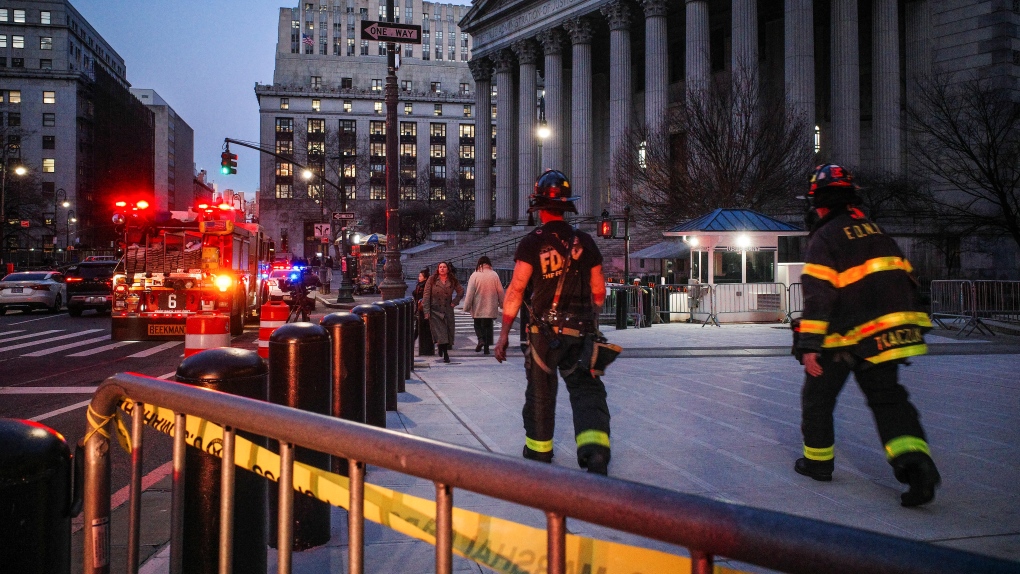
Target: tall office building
x=325, y=110
x=67, y=115
x=175, y=154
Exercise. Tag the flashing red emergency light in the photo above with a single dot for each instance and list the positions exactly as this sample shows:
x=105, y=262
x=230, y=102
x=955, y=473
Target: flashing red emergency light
x=225, y=206
x=142, y=204
x=203, y=206
x=121, y=204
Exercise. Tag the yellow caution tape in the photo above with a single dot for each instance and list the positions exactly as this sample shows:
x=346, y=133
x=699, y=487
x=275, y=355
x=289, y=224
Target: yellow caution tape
x=502, y=545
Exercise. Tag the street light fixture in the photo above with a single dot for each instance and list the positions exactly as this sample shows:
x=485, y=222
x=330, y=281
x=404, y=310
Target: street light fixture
x=67, y=230
x=542, y=132
x=19, y=170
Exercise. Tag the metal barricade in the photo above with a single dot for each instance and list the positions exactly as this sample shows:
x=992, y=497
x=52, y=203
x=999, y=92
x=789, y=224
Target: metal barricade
x=707, y=527
x=953, y=302
x=766, y=298
x=997, y=300
x=794, y=301
x=669, y=300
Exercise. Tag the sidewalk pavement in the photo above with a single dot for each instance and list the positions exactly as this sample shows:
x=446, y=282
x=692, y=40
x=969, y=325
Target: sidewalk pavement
x=715, y=411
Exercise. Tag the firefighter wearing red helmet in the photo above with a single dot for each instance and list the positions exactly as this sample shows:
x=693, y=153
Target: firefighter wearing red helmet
x=563, y=269
x=861, y=316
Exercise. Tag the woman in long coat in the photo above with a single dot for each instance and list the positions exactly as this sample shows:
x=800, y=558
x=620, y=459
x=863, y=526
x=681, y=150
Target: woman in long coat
x=442, y=293
x=422, y=330
x=483, y=300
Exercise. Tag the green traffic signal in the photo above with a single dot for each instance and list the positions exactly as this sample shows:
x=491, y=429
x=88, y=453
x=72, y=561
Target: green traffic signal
x=228, y=163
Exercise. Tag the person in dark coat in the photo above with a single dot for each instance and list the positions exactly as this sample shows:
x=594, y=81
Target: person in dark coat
x=442, y=293
x=426, y=347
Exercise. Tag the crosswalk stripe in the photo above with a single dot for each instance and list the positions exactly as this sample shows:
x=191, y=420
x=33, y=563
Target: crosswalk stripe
x=11, y=332
x=50, y=340
x=102, y=349
x=45, y=352
x=154, y=350
x=31, y=335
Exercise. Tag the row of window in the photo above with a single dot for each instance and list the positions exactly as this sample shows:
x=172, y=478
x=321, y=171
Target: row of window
x=18, y=16
x=18, y=42
x=44, y=63
x=377, y=107
x=49, y=120
x=14, y=97
x=349, y=127
x=377, y=191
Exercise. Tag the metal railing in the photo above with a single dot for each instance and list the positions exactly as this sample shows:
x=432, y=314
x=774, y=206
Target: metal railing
x=708, y=528
x=953, y=302
x=794, y=301
x=998, y=300
x=749, y=298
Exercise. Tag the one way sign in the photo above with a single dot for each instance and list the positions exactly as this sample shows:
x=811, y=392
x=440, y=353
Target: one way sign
x=390, y=32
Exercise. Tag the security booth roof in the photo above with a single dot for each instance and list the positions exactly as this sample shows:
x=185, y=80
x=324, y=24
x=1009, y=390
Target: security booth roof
x=664, y=250
x=734, y=221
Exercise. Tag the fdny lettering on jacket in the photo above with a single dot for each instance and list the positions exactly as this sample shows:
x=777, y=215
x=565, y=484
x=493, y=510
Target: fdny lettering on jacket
x=899, y=338
x=552, y=261
x=863, y=230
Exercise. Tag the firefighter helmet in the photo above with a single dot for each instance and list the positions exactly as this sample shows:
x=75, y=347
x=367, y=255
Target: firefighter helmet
x=831, y=186
x=552, y=192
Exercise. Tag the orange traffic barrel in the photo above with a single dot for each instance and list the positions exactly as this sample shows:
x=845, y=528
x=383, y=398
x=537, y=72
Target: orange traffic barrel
x=206, y=331
x=274, y=314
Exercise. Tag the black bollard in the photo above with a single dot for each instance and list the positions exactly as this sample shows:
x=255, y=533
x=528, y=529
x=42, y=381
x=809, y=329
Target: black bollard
x=405, y=317
x=299, y=377
x=621, y=308
x=392, y=351
x=412, y=315
x=375, y=363
x=347, y=338
x=242, y=373
x=35, y=499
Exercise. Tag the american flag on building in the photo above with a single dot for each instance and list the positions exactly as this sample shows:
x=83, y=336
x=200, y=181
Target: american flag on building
x=306, y=39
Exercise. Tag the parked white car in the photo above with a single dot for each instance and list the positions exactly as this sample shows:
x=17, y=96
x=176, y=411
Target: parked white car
x=28, y=290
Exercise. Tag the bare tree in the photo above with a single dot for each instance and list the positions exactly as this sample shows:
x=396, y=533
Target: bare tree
x=728, y=145
x=967, y=135
x=23, y=197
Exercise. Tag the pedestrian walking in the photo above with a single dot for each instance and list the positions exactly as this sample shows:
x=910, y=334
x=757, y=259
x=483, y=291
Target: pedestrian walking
x=442, y=293
x=563, y=268
x=426, y=347
x=483, y=299
x=861, y=315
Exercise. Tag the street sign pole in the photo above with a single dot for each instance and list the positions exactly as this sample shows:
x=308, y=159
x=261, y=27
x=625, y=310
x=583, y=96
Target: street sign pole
x=393, y=285
x=345, y=292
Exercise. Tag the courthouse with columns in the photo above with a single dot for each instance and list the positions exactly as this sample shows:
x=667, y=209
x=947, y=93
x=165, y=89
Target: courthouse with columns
x=606, y=67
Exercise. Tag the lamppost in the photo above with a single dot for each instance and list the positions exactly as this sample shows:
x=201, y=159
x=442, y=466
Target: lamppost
x=237, y=201
x=59, y=198
x=542, y=131
x=19, y=171
x=345, y=292
x=393, y=285
x=67, y=230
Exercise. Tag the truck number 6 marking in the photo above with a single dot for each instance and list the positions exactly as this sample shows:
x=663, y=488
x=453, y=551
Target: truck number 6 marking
x=171, y=301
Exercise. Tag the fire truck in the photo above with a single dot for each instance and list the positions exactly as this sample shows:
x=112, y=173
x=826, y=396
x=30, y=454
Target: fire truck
x=209, y=263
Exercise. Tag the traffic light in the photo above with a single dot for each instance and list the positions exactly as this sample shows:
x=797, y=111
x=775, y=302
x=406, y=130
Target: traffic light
x=605, y=225
x=228, y=163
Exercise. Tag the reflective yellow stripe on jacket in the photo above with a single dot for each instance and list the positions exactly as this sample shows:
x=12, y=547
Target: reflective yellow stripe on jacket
x=857, y=273
x=885, y=322
x=814, y=327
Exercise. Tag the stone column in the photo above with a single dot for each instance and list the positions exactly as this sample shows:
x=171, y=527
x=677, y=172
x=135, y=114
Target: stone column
x=481, y=71
x=744, y=51
x=698, y=64
x=846, y=100
x=506, y=143
x=918, y=44
x=885, y=123
x=656, y=64
x=581, y=118
x=620, y=96
x=527, y=120
x=552, y=148
x=800, y=64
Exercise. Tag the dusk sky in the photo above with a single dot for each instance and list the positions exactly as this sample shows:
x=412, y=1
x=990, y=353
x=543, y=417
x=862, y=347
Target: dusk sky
x=204, y=58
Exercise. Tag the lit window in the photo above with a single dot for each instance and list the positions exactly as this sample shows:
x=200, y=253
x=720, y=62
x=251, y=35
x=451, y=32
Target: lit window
x=284, y=103
x=48, y=165
x=347, y=106
x=19, y=16
x=467, y=110
x=438, y=110
x=44, y=17
x=49, y=97
x=3, y=14
x=818, y=138
x=14, y=96
x=3, y=40
x=378, y=107
x=377, y=85
x=283, y=191
x=18, y=42
x=408, y=109
x=467, y=130
x=642, y=155
x=45, y=43
x=316, y=104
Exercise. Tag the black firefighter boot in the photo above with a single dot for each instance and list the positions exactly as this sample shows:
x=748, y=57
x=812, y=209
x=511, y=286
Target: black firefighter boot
x=816, y=469
x=594, y=459
x=917, y=470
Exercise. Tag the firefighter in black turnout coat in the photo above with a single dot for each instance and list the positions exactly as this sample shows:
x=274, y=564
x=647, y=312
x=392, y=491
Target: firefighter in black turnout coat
x=563, y=268
x=860, y=315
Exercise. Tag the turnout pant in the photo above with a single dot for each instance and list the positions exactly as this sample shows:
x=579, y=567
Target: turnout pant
x=587, y=398
x=897, y=420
